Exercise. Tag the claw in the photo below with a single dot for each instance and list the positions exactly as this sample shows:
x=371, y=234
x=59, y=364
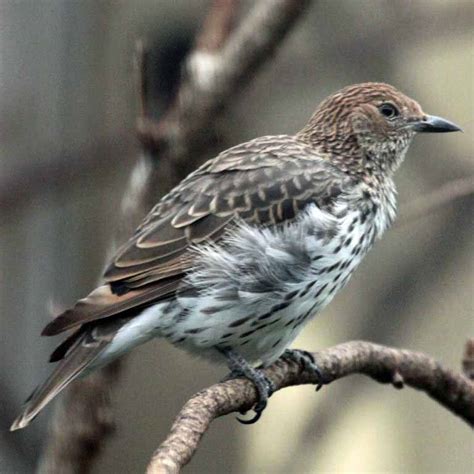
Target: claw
x=240, y=368
x=258, y=409
x=306, y=359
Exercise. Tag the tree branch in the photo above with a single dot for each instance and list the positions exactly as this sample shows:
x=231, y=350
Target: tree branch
x=468, y=359
x=436, y=199
x=212, y=76
x=384, y=364
x=218, y=25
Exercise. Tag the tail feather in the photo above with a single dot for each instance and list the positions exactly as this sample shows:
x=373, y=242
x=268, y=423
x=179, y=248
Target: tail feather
x=76, y=361
x=67, y=345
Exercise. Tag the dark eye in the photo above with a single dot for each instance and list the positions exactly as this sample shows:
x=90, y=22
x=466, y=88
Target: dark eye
x=389, y=111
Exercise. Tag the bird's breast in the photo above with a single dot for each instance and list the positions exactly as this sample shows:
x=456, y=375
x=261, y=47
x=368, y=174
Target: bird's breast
x=257, y=289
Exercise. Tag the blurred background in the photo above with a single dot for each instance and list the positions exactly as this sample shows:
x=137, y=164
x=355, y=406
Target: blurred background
x=67, y=132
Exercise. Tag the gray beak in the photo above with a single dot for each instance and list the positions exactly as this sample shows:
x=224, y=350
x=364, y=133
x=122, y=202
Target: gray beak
x=433, y=124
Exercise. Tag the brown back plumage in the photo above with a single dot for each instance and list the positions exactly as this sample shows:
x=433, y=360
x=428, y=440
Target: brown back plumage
x=266, y=181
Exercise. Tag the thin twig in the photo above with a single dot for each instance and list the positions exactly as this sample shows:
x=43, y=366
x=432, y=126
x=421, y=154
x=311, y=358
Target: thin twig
x=139, y=63
x=468, y=359
x=54, y=174
x=384, y=364
x=436, y=199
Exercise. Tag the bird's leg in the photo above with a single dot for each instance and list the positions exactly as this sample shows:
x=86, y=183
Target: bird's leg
x=240, y=368
x=305, y=359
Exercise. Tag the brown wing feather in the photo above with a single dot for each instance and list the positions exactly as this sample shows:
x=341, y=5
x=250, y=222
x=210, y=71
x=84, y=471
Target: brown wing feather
x=266, y=181
x=102, y=303
x=65, y=346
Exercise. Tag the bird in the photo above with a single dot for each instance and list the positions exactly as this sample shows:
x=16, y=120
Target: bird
x=233, y=262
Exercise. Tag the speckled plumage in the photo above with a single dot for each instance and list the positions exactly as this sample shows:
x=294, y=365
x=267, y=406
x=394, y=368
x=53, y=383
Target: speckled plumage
x=245, y=250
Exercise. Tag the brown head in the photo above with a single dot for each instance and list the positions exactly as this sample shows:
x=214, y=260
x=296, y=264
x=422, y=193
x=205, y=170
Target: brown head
x=365, y=129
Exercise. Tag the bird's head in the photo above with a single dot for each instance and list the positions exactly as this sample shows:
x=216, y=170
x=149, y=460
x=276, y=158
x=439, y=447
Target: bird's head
x=365, y=129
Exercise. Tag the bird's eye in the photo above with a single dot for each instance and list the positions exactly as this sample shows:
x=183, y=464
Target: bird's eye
x=389, y=111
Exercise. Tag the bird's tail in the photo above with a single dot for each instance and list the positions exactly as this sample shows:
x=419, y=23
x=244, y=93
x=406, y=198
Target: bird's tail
x=80, y=350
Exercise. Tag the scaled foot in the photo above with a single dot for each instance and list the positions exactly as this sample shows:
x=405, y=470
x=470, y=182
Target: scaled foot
x=240, y=368
x=305, y=359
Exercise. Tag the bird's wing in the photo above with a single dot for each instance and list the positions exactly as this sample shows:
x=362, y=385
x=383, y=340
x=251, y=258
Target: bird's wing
x=267, y=181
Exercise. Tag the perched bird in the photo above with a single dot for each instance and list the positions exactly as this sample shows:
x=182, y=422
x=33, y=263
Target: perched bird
x=236, y=259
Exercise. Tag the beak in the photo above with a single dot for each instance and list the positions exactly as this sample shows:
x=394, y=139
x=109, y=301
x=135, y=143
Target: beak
x=433, y=124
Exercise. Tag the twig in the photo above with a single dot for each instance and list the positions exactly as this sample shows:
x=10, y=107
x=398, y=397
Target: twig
x=436, y=199
x=53, y=174
x=140, y=62
x=384, y=364
x=468, y=359
x=83, y=420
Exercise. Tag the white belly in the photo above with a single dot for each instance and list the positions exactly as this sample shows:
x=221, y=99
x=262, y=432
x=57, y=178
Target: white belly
x=255, y=293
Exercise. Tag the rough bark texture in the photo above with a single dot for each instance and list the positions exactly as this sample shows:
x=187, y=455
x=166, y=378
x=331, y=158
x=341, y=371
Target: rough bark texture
x=399, y=367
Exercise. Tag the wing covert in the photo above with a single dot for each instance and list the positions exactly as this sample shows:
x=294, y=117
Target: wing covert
x=267, y=181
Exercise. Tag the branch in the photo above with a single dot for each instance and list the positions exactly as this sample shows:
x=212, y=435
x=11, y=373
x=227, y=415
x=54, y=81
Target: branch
x=436, y=199
x=468, y=359
x=220, y=64
x=212, y=76
x=218, y=25
x=384, y=364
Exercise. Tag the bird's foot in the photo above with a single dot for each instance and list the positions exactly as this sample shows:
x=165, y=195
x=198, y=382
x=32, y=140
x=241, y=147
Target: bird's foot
x=240, y=368
x=305, y=359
